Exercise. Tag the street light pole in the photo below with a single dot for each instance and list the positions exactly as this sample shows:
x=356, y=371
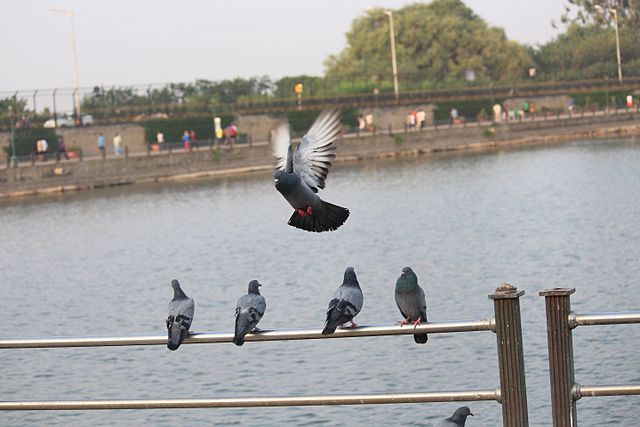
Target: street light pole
x=76, y=76
x=394, y=65
x=615, y=17
x=614, y=11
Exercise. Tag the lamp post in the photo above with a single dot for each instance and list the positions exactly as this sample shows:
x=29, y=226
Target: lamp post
x=12, y=111
x=614, y=12
x=394, y=65
x=76, y=76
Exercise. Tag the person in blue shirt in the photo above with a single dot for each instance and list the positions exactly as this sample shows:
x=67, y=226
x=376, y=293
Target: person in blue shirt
x=186, y=138
x=101, y=144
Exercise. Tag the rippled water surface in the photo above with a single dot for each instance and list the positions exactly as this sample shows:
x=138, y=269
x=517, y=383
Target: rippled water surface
x=100, y=263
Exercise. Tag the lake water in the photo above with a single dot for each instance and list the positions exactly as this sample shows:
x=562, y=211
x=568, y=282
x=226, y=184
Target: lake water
x=100, y=263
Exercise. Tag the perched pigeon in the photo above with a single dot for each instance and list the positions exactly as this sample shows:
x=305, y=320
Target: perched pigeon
x=181, y=310
x=345, y=304
x=249, y=310
x=458, y=418
x=411, y=301
x=301, y=171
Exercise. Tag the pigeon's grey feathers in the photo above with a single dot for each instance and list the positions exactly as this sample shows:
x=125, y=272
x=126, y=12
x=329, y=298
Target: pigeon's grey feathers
x=181, y=310
x=313, y=156
x=249, y=310
x=458, y=419
x=411, y=300
x=302, y=170
x=346, y=303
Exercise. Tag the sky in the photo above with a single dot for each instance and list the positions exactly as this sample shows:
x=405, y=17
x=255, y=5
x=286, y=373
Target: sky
x=125, y=42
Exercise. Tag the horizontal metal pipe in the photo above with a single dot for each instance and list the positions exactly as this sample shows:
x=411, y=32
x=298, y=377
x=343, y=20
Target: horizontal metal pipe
x=580, y=391
x=252, y=402
x=263, y=335
x=576, y=319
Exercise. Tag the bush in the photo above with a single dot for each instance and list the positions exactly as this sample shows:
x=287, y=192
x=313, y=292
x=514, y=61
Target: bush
x=468, y=108
x=174, y=128
x=25, y=140
x=301, y=121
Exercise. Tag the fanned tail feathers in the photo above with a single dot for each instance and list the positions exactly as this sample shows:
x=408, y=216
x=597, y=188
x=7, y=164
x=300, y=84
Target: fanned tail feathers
x=329, y=218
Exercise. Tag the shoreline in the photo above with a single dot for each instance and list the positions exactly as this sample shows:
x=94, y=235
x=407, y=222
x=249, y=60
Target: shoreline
x=205, y=164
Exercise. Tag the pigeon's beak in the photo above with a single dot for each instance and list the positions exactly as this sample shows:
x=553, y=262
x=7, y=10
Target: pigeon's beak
x=275, y=180
x=470, y=414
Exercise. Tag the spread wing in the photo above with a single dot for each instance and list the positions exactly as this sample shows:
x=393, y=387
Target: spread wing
x=313, y=157
x=282, y=148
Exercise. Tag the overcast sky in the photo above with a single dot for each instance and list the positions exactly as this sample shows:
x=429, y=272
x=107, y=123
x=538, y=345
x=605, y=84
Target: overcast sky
x=143, y=41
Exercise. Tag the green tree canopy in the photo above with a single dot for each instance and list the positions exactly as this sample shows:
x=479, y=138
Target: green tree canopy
x=586, y=52
x=436, y=43
x=602, y=11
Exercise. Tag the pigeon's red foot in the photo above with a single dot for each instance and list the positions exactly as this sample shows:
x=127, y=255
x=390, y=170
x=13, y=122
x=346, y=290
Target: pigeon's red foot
x=302, y=212
x=417, y=322
x=403, y=322
x=353, y=325
x=309, y=210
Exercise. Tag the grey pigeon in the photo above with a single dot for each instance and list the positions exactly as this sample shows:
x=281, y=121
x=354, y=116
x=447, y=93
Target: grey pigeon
x=249, y=310
x=301, y=171
x=181, y=309
x=458, y=418
x=345, y=304
x=411, y=301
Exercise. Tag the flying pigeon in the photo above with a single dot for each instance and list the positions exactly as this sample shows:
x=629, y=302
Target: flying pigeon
x=249, y=310
x=458, y=418
x=411, y=301
x=301, y=171
x=345, y=304
x=181, y=309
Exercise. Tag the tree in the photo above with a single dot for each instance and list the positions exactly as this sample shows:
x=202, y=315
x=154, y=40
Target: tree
x=586, y=52
x=435, y=43
x=600, y=11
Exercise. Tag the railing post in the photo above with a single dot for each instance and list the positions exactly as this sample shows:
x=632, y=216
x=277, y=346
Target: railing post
x=513, y=388
x=560, y=344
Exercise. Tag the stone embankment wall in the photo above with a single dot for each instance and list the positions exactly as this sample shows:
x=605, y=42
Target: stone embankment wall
x=90, y=173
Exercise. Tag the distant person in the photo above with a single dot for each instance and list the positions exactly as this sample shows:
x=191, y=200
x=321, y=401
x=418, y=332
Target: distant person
x=160, y=137
x=186, y=140
x=629, y=101
x=421, y=118
x=39, y=149
x=102, y=142
x=233, y=133
x=192, y=136
x=497, y=113
x=369, y=121
x=219, y=135
x=44, y=146
x=411, y=120
x=62, y=149
x=454, y=115
x=361, y=123
x=570, y=105
x=117, y=144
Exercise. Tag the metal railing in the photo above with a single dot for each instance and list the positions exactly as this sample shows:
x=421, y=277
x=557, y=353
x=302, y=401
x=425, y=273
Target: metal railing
x=506, y=324
x=141, y=104
x=565, y=391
